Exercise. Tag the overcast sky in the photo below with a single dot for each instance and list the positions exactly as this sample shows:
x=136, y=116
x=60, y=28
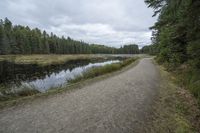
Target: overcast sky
x=109, y=22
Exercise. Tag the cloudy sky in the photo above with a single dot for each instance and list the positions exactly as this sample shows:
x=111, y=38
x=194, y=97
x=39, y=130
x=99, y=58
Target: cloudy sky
x=109, y=22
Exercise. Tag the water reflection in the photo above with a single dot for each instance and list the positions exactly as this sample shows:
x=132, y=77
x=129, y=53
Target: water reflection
x=43, y=78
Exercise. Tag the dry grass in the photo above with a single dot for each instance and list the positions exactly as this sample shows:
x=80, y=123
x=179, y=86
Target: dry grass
x=46, y=59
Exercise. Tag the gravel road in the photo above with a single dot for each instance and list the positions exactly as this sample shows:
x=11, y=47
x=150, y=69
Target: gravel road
x=118, y=104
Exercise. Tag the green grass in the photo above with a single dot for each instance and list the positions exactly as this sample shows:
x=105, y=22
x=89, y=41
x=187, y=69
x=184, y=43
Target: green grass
x=191, y=80
x=186, y=75
x=188, y=78
x=23, y=92
x=97, y=71
x=175, y=109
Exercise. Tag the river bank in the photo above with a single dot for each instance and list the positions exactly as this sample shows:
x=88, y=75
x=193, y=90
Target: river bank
x=48, y=59
x=31, y=92
x=116, y=103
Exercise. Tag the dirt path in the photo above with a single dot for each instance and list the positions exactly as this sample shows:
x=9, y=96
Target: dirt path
x=117, y=104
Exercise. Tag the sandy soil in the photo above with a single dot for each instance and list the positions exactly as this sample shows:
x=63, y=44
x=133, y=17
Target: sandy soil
x=119, y=104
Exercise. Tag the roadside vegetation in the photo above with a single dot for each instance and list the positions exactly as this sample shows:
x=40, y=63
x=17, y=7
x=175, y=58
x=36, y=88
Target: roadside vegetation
x=176, y=45
x=97, y=71
x=6, y=95
x=175, y=109
x=176, y=40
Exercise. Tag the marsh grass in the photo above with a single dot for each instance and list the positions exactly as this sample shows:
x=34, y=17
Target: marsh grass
x=28, y=92
x=11, y=94
x=47, y=59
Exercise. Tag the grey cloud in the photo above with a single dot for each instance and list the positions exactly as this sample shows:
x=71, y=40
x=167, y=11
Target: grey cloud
x=109, y=22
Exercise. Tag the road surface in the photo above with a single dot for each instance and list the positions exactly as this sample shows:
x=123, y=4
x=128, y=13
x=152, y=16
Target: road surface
x=118, y=104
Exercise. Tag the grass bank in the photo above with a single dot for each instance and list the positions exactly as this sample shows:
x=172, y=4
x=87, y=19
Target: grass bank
x=7, y=95
x=175, y=109
x=28, y=95
x=48, y=59
x=97, y=71
x=187, y=76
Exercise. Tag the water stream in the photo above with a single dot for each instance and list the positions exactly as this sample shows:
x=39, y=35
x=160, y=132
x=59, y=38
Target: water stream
x=19, y=76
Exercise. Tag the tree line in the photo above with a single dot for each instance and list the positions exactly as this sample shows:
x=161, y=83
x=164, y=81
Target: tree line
x=176, y=34
x=150, y=49
x=17, y=39
x=176, y=38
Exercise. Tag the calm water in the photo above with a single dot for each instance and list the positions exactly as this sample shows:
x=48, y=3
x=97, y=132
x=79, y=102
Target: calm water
x=16, y=77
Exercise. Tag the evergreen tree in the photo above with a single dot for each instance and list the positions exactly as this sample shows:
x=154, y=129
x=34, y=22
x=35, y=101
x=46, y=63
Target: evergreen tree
x=23, y=40
x=177, y=32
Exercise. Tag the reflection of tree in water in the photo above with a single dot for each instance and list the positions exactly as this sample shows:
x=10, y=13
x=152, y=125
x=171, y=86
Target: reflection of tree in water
x=10, y=72
x=16, y=73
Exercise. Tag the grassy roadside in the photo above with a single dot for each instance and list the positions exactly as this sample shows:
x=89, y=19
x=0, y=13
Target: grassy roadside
x=175, y=110
x=68, y=88
x=189, y=78
x=47, y=59
x=97, y=71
